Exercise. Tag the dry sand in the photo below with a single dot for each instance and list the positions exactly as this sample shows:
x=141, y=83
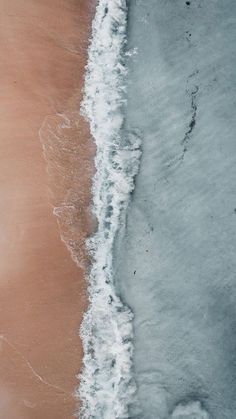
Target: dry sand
x=42, y=291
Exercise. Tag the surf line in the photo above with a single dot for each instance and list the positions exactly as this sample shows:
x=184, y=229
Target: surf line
x=106, y=382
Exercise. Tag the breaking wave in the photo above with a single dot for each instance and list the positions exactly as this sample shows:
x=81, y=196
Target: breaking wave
x=106, y=383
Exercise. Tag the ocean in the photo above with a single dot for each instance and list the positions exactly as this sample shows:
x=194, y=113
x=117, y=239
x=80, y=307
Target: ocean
x=159, y=334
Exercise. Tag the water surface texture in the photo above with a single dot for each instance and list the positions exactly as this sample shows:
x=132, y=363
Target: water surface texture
x=175, y=257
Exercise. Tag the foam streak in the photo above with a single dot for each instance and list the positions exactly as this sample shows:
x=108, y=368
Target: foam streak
x=107, y=387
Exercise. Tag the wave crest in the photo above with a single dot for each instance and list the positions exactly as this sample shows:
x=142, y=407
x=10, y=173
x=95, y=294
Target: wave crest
x=106, y=384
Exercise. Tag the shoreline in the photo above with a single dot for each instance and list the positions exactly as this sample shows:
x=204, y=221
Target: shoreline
x=107, y=386
x=43, y=292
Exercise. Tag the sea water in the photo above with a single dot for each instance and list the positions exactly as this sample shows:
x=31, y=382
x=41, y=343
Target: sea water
x=175, y=259
x=159, y=334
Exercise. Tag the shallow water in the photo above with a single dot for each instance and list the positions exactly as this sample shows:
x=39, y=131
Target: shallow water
x=175, y=257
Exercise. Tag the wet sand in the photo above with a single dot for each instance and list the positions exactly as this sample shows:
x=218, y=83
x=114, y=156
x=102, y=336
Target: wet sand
x=42, y=290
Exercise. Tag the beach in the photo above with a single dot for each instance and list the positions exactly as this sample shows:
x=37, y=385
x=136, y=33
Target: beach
x=46, y=162
x=139, y=201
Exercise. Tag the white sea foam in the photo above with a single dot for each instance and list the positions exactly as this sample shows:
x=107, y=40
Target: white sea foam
x=191, y=410
x=106, y=386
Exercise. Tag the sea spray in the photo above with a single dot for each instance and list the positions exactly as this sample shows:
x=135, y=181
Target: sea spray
x=106, y=384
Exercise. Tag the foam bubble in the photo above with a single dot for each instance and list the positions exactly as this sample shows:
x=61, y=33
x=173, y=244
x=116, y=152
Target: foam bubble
x=107, y=387
x=192, y=410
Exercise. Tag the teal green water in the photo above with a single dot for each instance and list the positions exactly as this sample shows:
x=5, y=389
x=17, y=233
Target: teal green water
x=175, y=259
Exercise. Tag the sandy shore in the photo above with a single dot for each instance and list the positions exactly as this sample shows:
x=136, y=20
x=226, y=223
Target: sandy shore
x=42, y=295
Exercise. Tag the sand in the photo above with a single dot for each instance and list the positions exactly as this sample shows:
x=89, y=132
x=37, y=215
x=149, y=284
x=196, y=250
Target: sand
x=42, y=290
